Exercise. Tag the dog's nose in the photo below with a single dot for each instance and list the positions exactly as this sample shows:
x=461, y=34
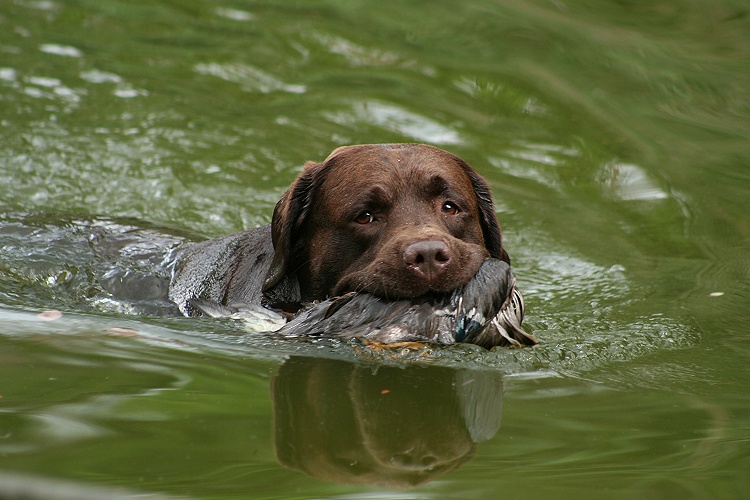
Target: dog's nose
x=428, y=259
x=415, y=461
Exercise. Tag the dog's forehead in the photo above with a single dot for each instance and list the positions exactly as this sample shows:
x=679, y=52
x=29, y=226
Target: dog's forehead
x=393, y=166
x=388, y=153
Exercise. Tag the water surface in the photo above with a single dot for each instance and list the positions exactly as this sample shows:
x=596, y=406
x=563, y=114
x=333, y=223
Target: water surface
x=614, y=135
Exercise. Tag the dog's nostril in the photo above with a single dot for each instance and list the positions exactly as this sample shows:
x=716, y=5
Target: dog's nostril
x=442, y=257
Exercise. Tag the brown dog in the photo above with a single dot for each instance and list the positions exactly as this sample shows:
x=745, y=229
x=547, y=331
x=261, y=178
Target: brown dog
x=394, y=220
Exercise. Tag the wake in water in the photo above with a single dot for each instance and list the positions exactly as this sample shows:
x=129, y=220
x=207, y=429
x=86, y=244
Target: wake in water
x=585, y=315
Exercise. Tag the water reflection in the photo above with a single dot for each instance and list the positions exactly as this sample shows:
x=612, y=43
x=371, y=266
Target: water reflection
x=397, y=426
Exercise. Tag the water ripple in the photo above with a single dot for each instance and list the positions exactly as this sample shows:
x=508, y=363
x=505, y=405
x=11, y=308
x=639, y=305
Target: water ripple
x=397, y=119
x=61, y=50
x=251, y=79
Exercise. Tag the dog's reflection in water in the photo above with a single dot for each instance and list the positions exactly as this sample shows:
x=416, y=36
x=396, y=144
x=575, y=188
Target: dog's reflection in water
x=381, y=425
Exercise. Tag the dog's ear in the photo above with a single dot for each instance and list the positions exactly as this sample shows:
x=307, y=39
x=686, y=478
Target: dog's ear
x=288, y=217
x=493, y=239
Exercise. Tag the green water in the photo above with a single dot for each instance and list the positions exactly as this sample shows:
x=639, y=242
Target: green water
x=615, y=136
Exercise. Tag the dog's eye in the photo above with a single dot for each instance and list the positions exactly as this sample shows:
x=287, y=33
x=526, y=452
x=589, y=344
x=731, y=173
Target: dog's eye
x=364, y=218
x=449, y=208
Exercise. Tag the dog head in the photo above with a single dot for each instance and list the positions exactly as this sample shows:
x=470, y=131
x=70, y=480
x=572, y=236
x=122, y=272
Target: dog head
x=394, y=220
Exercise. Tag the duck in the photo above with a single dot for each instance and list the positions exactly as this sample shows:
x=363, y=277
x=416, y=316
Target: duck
x=487, y=311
